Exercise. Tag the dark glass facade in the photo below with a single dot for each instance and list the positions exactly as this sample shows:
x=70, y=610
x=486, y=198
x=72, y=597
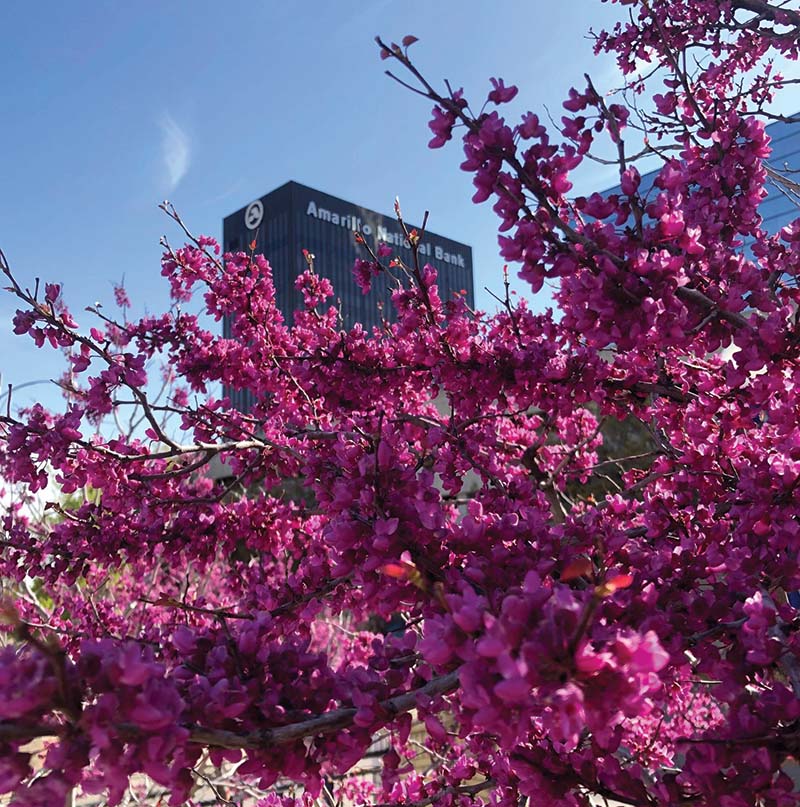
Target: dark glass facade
x=295, y=217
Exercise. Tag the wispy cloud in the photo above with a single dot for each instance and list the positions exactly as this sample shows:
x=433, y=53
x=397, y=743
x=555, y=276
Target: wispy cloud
x=176, y=151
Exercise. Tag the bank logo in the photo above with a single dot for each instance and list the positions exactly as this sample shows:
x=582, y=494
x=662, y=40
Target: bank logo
x=254, y=214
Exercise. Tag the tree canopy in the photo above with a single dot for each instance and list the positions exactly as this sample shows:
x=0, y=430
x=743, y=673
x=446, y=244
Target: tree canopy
x=456, y=554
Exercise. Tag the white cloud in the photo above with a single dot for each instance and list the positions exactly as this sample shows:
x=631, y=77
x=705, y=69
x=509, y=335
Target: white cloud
x=176, y=151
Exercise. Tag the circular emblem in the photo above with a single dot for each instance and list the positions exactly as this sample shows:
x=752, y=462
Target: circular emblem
x=254, y=214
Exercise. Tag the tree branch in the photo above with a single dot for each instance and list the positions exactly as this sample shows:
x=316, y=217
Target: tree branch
x=265, y=738
x=764, y=9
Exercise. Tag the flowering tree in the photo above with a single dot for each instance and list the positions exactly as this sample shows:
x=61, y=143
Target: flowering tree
x=555, y=645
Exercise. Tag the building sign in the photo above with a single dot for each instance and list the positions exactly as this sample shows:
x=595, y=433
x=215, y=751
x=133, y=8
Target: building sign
x=254, y=215
x=392, y=237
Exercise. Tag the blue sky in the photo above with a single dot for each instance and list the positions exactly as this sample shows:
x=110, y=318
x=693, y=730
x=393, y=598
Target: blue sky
x=111, y=107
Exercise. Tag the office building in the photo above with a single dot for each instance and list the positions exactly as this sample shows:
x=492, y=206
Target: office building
x=295, y=217
x=782, y=204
